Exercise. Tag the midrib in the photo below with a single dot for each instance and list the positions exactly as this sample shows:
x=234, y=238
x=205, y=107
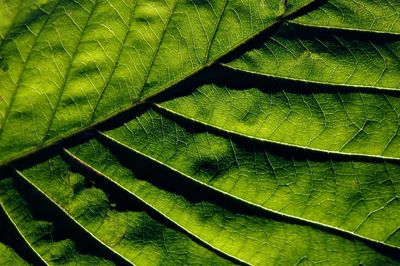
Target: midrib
x=102, y=120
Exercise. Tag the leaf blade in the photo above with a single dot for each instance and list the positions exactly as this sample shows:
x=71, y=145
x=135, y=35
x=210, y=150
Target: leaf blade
x=37, y=234
x=198, y=157
x=68, y=110
x=368, y=16
x=131, y=235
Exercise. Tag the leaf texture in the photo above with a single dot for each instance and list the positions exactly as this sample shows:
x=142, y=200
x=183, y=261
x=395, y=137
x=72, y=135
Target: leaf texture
x=39, y=235
x=8, y=256
x=325, y=191
x=180, y=132
x=8, y=12
x=301, y=53
x=273, y=115
x=133, y=236
x=254, y=239
x=109, y=57
x=370, y=16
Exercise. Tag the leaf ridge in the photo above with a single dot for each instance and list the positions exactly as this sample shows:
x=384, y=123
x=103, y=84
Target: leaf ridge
x=125, y=108
x=383, y=33
x=221, y=130
x=9, y=107
x=146, y=77
x=115, y=63
x=67, y=73
x=122, y=259
x=353, y=56
x=84, y=164
x=21, y=236
x=327, y=193
x=215, y=32
x=365, y=16
x=249, y=204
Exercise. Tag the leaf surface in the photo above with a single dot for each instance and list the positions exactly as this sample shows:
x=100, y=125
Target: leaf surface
x=326, y=83
x=348, y=195
x=342, y=123
x=39, y=235
x=176, y=132
x=304, y=54
x=109, y=57
x=9, y=256
x=254, y=239
x=133, y=236
x=371, y=16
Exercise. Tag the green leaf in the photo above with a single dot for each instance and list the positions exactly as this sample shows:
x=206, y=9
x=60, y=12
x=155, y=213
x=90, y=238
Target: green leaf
x=356, y=197
x=180, y=132
x=343, y=123
x=8, y=12
x=38, y=236
x=304, y=54
x=8, y=256
x=121, y=53
x=370, y=16
x=215, y=226
x=132, y=236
